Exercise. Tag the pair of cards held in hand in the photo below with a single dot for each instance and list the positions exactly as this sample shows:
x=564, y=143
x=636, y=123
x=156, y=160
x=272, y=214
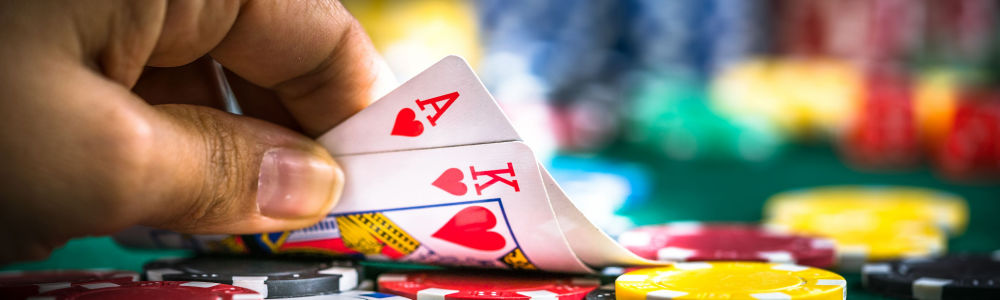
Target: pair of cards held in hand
x=435, y=173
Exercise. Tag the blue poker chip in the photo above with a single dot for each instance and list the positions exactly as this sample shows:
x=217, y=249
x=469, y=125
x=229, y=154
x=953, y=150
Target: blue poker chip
x=279, y=277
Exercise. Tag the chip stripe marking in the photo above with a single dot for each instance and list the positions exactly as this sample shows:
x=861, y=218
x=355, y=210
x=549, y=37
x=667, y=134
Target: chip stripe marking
x=157, y=274
x=790, y=267
x=99, y=285
x=777, y=257
x=831, y=282
x=674, y=254
x=348, y=277
x=200, y=284
x=392, y=277
x=771, y=296
x=256, y=283
x=869, y=270
x=927, y=288
x=632, y=278
x=45, y=287
x=664, y=295
x=434, y=294
x=823, y=243
x=539, y=295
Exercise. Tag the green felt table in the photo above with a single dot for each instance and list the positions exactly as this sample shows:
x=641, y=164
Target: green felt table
x=681, y=191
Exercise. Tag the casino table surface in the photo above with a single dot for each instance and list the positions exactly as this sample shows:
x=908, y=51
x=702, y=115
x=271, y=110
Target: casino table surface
x=681, y=191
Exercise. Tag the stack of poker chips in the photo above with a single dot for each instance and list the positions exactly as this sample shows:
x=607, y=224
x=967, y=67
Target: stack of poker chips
x=892, y=85
x=893, y=236
x=200, y=277
x=834, y=227
x=871, y=223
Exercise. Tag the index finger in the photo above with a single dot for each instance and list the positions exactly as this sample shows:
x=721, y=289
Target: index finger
x=313, y=54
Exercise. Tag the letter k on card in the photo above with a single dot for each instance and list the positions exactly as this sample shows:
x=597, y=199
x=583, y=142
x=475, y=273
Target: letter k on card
x=446, y=105
x=451, y=179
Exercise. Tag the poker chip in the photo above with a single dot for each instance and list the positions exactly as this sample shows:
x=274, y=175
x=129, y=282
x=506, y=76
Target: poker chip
x=859, y=240
x=150, y=290
x=20, y=284
x=692, y=241
x=970, y=151
x=271, y=277
x=604, y=292
x=870, y=203
x=802, y=98
x=857, y=245
x=462, y=285
x=883, y=134
x=962, y=276
x=871, y=223
x=730, y=280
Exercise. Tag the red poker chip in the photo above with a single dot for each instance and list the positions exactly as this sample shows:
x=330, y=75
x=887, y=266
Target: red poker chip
x=21, y=284
x=466, y=285
x=150, y=290
x=971, y=149
x=883, y=134
x=691, y=241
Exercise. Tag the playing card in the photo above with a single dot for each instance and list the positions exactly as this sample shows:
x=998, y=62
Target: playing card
x=445, y=105
x=475, y=203
x=591, y=245
x=434, y=173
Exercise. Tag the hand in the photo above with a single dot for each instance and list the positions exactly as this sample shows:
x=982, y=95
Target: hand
x=92, y=144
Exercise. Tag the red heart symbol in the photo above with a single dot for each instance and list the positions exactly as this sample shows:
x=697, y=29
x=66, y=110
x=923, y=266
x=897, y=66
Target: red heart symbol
x=451, y=181
x=407, y=124
x=470, y=228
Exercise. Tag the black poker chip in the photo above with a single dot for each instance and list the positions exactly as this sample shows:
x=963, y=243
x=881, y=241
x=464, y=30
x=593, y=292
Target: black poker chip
x=271, y=277
x=604, y=292
x=960, y=276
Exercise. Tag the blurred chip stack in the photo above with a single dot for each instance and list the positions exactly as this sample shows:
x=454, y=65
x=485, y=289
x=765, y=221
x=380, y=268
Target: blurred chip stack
x=882, y=81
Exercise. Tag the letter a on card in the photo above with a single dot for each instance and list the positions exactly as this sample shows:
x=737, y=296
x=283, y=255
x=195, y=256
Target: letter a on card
x=446, y=105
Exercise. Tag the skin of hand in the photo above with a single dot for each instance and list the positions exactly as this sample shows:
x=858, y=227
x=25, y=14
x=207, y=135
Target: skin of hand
x=109, y=116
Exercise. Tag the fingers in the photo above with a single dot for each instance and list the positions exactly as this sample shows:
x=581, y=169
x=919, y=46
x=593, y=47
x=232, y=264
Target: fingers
x=192, y=83
x=86, y=156
x=314, y=54
x=232, y=174
x=261, y=103
x=191, y=28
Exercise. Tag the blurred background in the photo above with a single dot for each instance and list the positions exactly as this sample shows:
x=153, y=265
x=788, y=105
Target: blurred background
x=650, y=111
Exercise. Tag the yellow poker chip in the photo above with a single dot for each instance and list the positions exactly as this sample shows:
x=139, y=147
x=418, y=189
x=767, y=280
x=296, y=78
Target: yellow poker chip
x=730, y=280
x=804, y=98
x=862, y=240
x=869, y=204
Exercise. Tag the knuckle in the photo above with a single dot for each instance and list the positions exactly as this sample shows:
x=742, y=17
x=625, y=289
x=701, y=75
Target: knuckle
x=224, y=169
x=124, y=162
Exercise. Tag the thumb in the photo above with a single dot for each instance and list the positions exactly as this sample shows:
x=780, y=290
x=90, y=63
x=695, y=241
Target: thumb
x=235, y=174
